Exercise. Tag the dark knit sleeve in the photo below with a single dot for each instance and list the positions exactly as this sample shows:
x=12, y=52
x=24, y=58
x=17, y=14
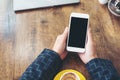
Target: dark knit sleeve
x=45, y=67
x=101, y=69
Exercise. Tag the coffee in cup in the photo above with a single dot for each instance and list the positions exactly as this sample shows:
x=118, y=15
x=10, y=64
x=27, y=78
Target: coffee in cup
x=69, y=76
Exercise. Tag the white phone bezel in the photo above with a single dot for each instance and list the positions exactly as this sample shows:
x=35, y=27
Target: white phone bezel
x=76, y=49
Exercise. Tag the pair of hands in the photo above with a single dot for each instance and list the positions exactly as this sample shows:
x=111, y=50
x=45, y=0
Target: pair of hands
x=60, y=47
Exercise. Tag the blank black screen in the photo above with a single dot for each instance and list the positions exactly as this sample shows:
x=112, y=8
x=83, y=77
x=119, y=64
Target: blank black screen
x=77, y=35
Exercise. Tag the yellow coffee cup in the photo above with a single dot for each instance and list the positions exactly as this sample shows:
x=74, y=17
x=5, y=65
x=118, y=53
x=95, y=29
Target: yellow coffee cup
x=69, y=74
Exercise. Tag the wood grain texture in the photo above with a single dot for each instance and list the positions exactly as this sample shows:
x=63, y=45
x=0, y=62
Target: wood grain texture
x=23, y=35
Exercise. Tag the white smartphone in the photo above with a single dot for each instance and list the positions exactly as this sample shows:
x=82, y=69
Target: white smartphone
x=77, y=36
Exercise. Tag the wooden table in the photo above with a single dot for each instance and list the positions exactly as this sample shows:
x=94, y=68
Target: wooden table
x=23, y=35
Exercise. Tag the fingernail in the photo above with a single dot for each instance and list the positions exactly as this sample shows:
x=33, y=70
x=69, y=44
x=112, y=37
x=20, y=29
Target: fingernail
x=66, y=28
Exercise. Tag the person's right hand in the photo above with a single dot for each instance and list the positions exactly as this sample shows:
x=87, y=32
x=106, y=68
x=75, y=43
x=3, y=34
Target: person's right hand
x=90, y=52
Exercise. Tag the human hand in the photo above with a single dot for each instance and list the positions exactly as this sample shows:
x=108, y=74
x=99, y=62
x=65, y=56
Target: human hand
x=90, y=52
x=60, y=44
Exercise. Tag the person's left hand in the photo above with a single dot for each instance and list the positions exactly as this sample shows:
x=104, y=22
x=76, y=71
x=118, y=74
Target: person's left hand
x=60, y=44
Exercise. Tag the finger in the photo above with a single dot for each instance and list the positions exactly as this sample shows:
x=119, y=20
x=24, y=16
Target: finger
x=65, y=33
x=90, y=39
